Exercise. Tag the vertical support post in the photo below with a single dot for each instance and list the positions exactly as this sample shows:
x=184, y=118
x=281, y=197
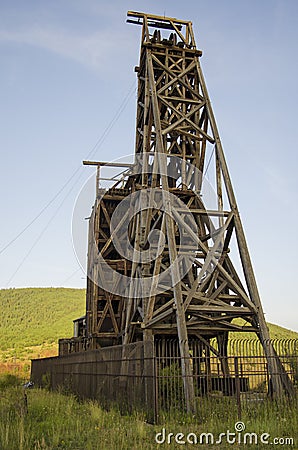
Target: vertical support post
x=237, y=386
x=222, y=341
x=150, y=376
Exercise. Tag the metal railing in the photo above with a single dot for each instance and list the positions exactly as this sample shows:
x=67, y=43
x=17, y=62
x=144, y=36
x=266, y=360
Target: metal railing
x=124, y=376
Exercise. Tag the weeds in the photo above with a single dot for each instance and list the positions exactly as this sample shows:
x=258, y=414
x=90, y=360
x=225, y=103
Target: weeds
x=57, y=421
x=8, y=380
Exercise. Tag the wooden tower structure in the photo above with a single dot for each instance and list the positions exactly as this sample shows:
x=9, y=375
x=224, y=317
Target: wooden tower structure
x=188, y=286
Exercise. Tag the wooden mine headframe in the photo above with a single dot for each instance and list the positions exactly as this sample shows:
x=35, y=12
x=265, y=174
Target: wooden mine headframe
x=190, y=288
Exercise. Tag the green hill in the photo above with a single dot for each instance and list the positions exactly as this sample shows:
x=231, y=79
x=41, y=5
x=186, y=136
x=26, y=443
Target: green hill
x=36, y=316
x=40, y=316
x=276, y=332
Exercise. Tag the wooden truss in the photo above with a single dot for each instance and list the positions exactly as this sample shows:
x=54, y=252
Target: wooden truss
x=177, y=140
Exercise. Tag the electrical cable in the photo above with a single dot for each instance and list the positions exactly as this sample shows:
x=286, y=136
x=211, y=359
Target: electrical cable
x=92, y=151
x=70, y=276
x=209, y=161
x=40, y=235
x=100, y=141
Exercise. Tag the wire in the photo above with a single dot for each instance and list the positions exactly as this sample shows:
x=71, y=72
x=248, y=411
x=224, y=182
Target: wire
x=40, y=235
x=209, y=161
x=40, y=213
x=92, y=151
x=70, y=276
x=121, y=108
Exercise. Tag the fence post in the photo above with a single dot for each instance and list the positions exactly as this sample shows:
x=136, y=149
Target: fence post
x=237, y=386
x=150, y=376
x=155, y=390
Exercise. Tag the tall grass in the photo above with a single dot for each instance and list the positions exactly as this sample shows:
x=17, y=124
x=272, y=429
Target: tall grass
x=53, y=420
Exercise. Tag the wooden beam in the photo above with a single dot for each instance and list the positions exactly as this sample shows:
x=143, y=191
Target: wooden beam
x=108, y=164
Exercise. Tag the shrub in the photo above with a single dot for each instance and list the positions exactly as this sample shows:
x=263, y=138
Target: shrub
x=9, y=380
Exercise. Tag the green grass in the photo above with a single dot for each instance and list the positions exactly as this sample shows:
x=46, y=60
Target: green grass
x=53, y=420
x=35, y=316
x=32, y=321
x=276, y=332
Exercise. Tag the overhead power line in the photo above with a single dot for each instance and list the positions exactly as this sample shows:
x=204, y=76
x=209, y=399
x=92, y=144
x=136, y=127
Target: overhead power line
x=89, y=155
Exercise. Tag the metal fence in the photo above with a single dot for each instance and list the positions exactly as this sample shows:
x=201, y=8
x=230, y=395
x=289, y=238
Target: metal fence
x=244, y=384
x=124, y=376
x=119, y=376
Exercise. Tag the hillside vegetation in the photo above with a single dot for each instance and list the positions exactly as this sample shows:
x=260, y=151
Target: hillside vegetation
x=38, y=316
x=33, y=319
x=276, y=332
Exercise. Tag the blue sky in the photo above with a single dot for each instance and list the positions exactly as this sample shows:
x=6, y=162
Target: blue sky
x=67, y=89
